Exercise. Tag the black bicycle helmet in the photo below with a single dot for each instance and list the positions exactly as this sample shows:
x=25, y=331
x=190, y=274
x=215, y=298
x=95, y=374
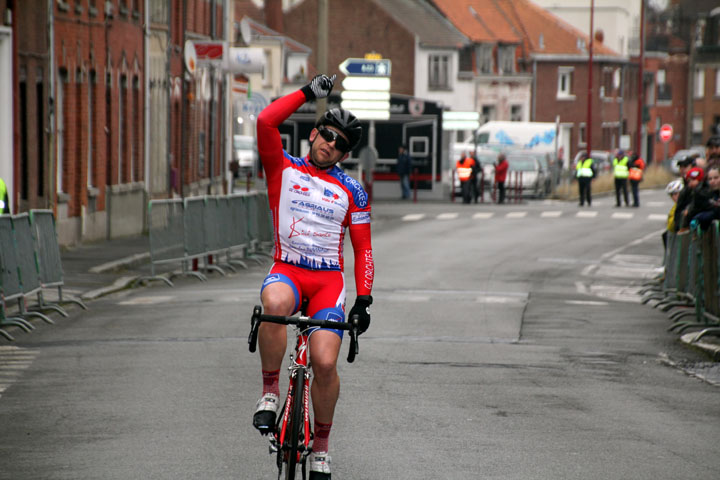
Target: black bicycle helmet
x=344, y=121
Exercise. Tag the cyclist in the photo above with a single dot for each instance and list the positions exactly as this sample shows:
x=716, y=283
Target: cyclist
x=312, y=203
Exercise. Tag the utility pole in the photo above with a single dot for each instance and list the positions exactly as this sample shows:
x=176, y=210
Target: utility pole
x=641, y=86
x=322, y=51
x=588, y=124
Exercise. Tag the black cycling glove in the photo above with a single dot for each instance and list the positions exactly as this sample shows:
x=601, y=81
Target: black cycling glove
x=362, y=310
x=319, y=87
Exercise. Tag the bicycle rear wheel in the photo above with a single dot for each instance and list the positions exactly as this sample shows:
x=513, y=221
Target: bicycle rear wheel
x=296, y=424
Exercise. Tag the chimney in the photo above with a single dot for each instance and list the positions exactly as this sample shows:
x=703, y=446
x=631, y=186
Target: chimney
x=274, y=15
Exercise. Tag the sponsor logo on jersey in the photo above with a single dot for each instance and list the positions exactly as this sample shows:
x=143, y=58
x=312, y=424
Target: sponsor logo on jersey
x=313, y=208
x=360, y=217
x=299, y=189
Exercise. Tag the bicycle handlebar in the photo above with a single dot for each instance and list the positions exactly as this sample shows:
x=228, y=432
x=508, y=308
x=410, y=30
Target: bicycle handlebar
x=304, y=322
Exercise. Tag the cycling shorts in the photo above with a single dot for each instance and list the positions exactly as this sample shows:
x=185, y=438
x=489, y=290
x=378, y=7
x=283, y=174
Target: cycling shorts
x=324, y=290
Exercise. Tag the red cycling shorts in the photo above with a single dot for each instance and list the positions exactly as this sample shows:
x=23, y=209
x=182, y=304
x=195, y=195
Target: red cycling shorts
x=324, y=290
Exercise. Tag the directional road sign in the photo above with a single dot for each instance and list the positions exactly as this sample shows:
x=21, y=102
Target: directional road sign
x=367, y=67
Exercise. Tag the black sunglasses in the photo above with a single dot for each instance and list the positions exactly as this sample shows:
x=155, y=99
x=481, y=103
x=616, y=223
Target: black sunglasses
x=331, y=135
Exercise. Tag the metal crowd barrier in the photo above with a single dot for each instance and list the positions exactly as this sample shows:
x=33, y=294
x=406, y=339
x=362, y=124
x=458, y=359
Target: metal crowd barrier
x=211, y=229
x=689, y=289
x=29, y=262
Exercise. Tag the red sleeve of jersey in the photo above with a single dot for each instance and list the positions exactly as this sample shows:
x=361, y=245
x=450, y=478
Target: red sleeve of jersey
x=268, y=137
x=364, y=265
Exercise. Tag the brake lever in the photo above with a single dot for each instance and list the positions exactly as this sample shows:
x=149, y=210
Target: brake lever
x=254, y=323
x=354, y=345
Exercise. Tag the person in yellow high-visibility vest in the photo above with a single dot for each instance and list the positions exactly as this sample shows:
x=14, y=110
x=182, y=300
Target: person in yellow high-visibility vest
x=585, y=172
x=465, y=168
x=621, y=172
x=4, y=199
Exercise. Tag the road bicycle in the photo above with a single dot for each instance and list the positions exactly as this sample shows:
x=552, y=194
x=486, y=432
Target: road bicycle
x=290, y=440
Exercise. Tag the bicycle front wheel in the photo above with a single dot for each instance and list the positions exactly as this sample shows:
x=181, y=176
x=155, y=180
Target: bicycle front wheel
x=296, y=424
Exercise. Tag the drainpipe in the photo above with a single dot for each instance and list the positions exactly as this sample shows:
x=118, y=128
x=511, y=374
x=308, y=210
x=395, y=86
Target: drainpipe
x=51, y=196
x=146, y=109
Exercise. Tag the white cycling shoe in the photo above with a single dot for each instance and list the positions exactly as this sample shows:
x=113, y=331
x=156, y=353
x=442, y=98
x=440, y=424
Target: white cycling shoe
x=319, y=466
x=266, y=413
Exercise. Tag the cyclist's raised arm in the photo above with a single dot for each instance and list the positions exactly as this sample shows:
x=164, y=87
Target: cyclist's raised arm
x=268, y=136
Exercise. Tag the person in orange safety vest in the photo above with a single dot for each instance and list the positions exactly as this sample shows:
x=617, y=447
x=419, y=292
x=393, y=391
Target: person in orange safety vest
x=466, y=168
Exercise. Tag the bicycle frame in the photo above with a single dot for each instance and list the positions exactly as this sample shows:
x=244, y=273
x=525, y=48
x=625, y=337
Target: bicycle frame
x=293, y=447
x=300, y=366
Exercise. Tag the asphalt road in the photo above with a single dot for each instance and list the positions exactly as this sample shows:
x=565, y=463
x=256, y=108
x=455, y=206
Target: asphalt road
x=507, y=342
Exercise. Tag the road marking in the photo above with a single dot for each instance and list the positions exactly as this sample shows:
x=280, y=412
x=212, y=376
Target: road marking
x=515, y=214
x=658, y=216
x=585, y=302
x=657, y=204
x=13, y=360
x=499, y=299
x=483, y=215
x=551, y=214
x=413, y=217
x=147, y=300
x=622, y=215
x=590, y=214
x=448, y=216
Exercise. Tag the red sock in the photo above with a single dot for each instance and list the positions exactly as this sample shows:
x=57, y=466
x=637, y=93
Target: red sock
x=271, y=382
x=322, y=436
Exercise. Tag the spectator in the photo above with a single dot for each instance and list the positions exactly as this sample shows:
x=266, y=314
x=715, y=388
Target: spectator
x=501, y=168
x=585, y=171
x=404, y=168
x=706, y=202
x=683, y=200
x=620, y=172
x=712, y=151
x=694, y=184
x=673, y=189
x=465, y=168
x=635, y=174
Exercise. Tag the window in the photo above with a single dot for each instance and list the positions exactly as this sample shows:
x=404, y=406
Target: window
x=266, y=68
x=40, y=119
x=697, y=130
x=419, y=146
x=699, y=83
x=565, y=75
x=506, y=59
x=717, y=82
x=581, y=135
x=485, y=59
x=24, y=155
x=488, y=113
x=92, y=80
x=122, y=128
x=61, y=141
x=516, y=113
x=439, y=72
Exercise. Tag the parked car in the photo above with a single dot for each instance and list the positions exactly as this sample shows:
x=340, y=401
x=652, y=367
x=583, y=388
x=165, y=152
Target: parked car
x=602, y=159
x=532, y=176
x=543, y=159
x=680, y=154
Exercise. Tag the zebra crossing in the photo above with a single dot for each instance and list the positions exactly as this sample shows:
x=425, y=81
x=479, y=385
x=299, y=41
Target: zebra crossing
x=13, y=361
x=518, y=214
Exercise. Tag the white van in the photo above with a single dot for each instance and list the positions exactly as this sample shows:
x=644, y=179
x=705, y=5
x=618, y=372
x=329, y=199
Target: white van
x=505, y=136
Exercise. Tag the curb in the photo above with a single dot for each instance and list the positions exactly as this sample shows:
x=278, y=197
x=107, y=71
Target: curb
x=711, y=349
x=120, y=284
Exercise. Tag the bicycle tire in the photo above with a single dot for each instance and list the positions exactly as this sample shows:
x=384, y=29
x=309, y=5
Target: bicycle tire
x=296, y=419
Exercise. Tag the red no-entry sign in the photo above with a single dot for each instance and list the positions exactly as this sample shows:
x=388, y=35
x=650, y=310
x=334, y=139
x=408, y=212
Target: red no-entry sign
x=666, y=132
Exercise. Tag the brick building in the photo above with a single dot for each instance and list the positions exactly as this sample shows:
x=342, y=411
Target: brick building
x=94, y=132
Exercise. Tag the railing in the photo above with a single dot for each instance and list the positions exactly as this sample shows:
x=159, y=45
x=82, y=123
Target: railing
x=220, y=231
x=689, y=287
x=29, y=263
